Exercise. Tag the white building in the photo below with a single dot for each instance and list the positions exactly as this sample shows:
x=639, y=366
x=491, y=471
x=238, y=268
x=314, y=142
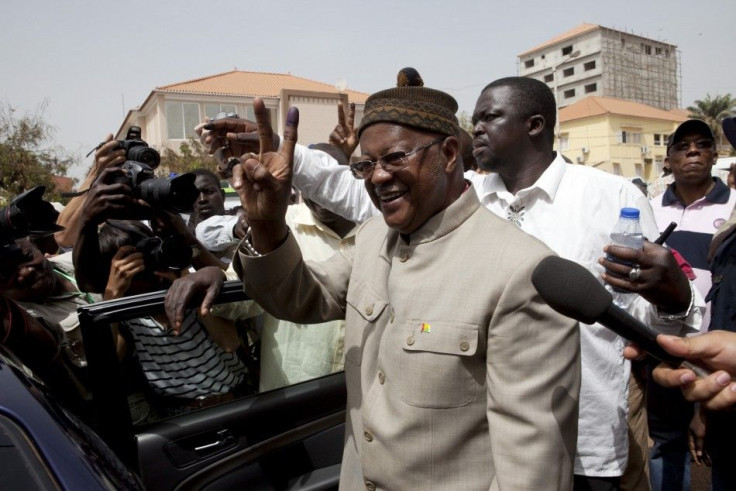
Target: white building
x=591, y=60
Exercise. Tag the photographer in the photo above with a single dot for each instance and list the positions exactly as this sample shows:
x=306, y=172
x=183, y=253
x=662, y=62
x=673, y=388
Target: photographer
x=111, y=197
x=46, y=334
x=193, y=367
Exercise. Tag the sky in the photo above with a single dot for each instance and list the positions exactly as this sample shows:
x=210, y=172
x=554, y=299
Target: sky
x=89, y=62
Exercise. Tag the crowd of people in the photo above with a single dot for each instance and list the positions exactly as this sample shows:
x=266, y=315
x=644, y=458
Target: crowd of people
x=409, y=266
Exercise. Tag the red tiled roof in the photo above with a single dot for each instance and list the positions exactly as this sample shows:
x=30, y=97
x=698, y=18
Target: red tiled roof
x=252, y=84
x=596, y=106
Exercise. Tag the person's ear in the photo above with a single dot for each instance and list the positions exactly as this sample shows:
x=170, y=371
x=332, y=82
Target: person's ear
x=450, y=150
x=535, y=124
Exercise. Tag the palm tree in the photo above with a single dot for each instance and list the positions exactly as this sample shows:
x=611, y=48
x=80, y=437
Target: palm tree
x=712, y=110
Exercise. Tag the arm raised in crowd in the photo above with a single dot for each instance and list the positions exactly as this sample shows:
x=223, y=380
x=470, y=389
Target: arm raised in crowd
x=345, y=134
x=108, y=155
x=107, y=198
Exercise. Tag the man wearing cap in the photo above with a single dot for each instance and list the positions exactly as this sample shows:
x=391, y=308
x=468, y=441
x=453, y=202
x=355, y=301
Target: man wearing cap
x=699, y=203
x=721, y=432
x=531, y=186
x=459, y=376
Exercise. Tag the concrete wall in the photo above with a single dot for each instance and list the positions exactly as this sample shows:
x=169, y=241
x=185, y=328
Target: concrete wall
x=599, y=135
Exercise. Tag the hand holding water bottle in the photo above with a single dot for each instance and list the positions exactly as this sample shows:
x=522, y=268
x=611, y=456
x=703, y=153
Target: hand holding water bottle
x=650, y=271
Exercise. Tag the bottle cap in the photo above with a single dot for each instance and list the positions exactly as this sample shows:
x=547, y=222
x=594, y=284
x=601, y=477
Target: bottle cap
x=630, y=213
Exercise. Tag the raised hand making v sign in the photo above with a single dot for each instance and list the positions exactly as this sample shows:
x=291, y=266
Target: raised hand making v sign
x=263, y=181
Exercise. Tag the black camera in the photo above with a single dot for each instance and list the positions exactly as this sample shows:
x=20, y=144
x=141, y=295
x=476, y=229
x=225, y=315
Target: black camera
x=138, y=150
x=160, y=254
x=178, y=193
x=28, y=214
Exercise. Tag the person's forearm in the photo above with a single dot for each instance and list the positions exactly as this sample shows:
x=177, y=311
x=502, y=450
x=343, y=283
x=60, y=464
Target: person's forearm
x=87, y=260
x=321, y=179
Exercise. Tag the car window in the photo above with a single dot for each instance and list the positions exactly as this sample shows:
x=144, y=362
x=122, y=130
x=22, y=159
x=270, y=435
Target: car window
x=236, y=351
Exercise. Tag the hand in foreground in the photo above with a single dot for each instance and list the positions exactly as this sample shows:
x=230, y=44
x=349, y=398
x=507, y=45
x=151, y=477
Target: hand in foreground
x=237, y=136
x=109, y=197
x=263, y=181
x=201, y=286
x=109, y=154
x=660, y=279
x=126, y=263
x=715, y=350
x=345, y=134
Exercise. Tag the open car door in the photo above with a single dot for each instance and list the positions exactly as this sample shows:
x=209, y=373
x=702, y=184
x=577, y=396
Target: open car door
x=288, y=438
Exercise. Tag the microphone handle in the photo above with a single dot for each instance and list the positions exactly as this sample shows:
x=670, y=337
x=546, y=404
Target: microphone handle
x=626, y=326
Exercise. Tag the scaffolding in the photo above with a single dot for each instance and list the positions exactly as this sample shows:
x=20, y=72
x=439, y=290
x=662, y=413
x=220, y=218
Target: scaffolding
x=640, y=69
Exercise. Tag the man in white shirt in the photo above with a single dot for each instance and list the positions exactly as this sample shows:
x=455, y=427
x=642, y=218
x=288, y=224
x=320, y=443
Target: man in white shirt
x=570, y=208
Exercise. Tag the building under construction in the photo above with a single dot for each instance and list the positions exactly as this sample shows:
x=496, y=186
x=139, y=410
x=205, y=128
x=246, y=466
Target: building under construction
x=591, y=60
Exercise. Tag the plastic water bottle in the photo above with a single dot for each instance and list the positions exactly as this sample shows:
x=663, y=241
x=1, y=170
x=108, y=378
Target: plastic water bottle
x=626, y=233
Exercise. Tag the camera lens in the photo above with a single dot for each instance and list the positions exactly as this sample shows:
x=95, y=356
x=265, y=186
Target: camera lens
x=145, y=155
x=178, y=193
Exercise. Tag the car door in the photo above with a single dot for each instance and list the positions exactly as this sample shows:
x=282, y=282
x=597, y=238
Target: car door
x=288, y=438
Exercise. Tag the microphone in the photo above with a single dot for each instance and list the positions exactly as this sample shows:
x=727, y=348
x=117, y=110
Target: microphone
x=573, y=291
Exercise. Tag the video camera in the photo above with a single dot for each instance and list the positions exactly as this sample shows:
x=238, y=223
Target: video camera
x=27, y=215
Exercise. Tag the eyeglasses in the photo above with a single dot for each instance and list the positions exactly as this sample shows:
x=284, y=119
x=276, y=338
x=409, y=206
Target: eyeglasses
x=391, y=162
x=682, y=147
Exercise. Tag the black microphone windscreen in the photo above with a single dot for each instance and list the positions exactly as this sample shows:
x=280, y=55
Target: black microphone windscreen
x=570, y=289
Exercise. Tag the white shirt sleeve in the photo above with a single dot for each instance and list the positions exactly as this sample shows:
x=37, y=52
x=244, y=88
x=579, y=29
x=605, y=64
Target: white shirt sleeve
x=216, y=232
x=321, y=179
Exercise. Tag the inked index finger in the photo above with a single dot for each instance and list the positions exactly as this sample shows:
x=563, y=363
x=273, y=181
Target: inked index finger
x=340, y=114
x=265, y=133
x=290, y=135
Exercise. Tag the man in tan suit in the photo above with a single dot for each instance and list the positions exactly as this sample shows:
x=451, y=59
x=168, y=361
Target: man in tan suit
x=458, y=375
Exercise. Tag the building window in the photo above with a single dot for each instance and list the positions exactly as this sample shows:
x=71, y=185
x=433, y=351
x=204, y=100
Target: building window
x=658, y=165
x=590, y=65
x=616, y=169
x=251, y=116
x=529, y=63
x=566, y=50
x=181, y=118
x=212, y=110
x=639, y=170
x=564, y=142
x=549, y=77
x=659, y=140
x=568, y=72
x=591, y=88
x=542, y=57
x=629, y=137
x=657, y=50
x=569, y=93
x=646, y=48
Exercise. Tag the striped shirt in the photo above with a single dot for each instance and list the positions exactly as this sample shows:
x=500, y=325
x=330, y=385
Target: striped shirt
x=696, y=225
x=188, y=365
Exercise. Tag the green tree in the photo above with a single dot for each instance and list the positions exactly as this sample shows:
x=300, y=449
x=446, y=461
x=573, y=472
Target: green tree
x=28, y=157
x=712, y=110
x=191, y=155
x=465, y=121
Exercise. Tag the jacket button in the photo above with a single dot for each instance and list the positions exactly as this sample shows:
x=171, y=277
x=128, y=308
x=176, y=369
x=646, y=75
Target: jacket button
x=369, y=310
x=367, y=435
x=410, y=340
x=370, y=486
x=403, y=257
x=464, y=345
x=381, y=378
